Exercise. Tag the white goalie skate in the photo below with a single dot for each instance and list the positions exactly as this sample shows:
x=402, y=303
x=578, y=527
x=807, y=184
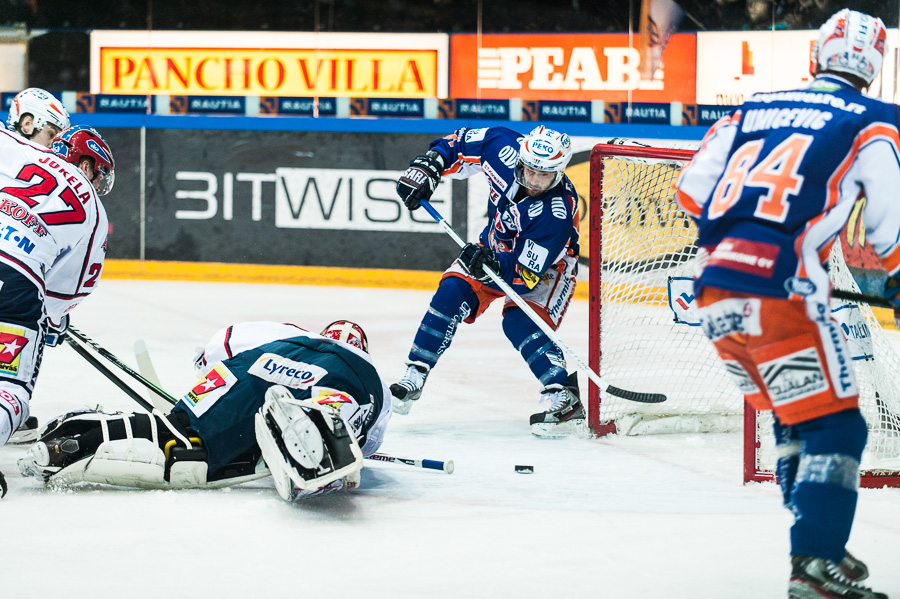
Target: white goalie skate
x=306, y=445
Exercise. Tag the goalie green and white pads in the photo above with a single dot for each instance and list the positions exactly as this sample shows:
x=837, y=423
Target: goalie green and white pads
x=306, y=445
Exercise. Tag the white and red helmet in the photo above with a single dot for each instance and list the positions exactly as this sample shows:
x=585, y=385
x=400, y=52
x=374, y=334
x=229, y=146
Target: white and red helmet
x=544, y=150
x=81, y=141
x=850, y=42
x=348, y=332
x=43, y=107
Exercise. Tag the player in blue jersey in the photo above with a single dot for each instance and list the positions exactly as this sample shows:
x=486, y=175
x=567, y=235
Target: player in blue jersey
x=273, y=398
x=770, y=189
x=531, y=241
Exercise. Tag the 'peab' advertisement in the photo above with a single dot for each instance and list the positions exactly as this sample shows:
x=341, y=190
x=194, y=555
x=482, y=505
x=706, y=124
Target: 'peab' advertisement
x=568, y=67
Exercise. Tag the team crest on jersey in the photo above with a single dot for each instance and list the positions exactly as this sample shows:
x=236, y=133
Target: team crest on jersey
x=13, y=340
x=281, y=371
x=535, y=209
x=508, y=156
x=211, y=387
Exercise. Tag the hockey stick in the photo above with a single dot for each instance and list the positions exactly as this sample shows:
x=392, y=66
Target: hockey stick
x=551, y=334
x=427, y=464
x=105, y=353
x=84, y=353
x=145, y=367
x=862, y=298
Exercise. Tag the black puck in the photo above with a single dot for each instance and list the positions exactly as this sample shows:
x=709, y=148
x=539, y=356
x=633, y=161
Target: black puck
x=525, y=469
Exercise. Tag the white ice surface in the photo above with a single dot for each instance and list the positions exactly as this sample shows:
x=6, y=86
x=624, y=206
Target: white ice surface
x=661, y=517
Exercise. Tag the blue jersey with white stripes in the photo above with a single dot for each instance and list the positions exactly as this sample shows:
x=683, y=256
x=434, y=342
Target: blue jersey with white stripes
x=775, y=182
x=530, y=235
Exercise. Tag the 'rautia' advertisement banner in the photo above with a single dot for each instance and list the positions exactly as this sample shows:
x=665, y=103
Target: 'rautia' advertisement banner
x=569, y=67
x=732, y=66
x=269, y=64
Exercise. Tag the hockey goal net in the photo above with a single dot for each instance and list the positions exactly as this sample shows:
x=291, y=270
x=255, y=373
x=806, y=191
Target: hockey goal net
x=644, y=335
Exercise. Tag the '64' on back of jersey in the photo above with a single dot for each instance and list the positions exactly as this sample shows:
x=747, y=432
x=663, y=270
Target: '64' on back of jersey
x=774, y=183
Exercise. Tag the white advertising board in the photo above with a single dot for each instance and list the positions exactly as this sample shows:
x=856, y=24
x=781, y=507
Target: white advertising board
x=732, y=66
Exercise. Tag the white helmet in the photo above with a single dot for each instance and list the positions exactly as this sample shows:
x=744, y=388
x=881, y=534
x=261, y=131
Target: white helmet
x=41, y=105
x=544, y=150
x=850, y=42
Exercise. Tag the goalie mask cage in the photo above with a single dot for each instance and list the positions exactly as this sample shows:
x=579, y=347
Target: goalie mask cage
x=641, y=255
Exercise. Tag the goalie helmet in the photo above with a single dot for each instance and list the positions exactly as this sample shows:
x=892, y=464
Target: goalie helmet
x=850, y=42
x=81, y=141
x=41, y=105
x=543, y=150
x=348, y=332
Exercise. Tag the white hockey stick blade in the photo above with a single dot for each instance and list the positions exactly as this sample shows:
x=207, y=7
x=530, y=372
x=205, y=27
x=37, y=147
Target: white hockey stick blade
x=145, y=367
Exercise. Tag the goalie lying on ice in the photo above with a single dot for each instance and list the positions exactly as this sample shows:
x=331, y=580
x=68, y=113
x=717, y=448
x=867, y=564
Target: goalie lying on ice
x=276, y=399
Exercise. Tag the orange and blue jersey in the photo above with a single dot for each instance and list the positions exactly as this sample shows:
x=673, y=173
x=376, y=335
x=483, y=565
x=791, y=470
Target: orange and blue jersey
x=530, y=235
x=774, y=183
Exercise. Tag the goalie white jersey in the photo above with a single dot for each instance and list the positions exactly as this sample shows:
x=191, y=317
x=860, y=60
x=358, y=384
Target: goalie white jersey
x=53, y=228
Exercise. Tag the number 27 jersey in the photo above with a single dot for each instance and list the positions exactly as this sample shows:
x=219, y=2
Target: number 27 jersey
x=775, y=182
x=53, y=228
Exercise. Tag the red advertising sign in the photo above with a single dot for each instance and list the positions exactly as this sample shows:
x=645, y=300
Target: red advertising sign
x=569, y=67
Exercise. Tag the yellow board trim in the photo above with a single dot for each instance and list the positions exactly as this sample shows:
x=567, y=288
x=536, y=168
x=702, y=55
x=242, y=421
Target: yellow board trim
x=283, y=275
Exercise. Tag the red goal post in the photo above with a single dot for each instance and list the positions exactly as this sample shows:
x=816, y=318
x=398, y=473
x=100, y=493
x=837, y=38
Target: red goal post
x=643, y=335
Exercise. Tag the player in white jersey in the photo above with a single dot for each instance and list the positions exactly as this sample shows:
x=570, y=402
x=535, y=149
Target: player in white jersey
x=53, y=232
x=272, y=397
x=37, y=115
x=770, y=190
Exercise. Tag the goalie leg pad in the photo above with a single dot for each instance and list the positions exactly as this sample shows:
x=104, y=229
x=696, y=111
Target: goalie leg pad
x=116, y=449
x=306, y=445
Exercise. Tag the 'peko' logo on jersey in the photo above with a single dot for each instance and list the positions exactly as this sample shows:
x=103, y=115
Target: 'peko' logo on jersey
x=281, y=371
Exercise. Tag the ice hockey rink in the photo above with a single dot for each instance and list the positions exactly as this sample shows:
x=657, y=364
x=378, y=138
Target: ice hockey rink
x=632, y=517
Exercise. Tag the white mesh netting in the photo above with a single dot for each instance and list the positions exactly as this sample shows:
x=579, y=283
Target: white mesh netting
x=647, y=247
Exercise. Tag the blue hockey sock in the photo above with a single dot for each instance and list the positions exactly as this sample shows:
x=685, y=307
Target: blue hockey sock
x=545, y=360
x=823, y=496
x=452, y=303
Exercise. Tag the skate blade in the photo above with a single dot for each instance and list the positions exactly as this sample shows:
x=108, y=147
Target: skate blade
x=400, y=406
x=572, y=429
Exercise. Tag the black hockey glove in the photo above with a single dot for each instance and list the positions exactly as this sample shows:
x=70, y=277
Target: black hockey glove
x=420, y=180
x=55, y=335
x=474, y=258
x=892, y=294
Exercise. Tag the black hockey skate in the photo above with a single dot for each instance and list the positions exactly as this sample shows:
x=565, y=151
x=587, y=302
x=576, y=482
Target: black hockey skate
x=566, y=415
x=409, y=388
x=817, y=578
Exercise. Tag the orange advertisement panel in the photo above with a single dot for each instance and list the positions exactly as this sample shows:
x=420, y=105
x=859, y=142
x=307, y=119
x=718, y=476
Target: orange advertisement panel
x=569, y=67
x=270, y=72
